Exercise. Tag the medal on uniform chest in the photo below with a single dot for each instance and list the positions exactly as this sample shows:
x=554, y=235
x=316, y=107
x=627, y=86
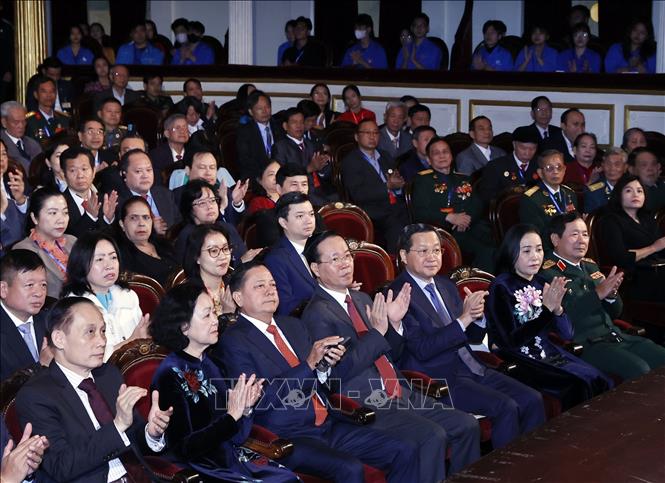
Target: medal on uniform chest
x=464, y=190
x=549, y=210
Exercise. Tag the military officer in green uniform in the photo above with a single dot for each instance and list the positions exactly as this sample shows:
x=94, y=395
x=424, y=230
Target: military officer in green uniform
x=446, y=199
x=592, y=303
x=45, y=122
x=614, y=167
x=110, y=112
x=644, y=164
x=548, y=197
x=153, y=95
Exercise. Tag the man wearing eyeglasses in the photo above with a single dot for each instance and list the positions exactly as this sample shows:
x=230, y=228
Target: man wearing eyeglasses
x=540, y=203
x=91, y=135
x=438, y=328
x=541, y=113
x=173, y=150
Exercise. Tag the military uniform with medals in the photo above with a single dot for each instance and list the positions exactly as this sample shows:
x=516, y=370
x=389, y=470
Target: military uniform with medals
x=40, y=128
x=435, y=195
x=112, y=139
x=596, y=195
x=538, y=206
x=605, y=345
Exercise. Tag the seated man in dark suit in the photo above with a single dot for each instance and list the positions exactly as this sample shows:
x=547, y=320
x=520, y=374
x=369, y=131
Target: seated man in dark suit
x=643, y=163
x=119, y=76
x=86, y=210
x=419, y=115
x=438, y=328
x=294, y=148
x=91, y=135
x=136, y=169
x=172, y=151
x=279, y=349
x=393, y=139
x=82, y=406
x=572, y=125
x=20, y=147
x=377, y=338
x=373, y=183
x=255, y=139
x=23, y=293
x=512, y=170
x=415, y=160
x=295, y=283
x=476, y=156
x=541, y=113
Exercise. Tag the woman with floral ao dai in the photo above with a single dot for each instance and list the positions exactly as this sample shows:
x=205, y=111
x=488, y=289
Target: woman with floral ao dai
x=521, y=311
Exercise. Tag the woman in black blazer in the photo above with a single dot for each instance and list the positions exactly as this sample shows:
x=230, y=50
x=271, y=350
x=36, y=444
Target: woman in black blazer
x=633, y=241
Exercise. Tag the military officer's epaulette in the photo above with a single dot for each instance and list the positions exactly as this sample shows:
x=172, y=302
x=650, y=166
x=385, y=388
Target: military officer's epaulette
x=589, y=260
x=567, y=187
x=532, y=190
x=63, y=114
x=425, y=171
x=122, y=128
x=596, y=186
x=548, y=264
x=28, y=115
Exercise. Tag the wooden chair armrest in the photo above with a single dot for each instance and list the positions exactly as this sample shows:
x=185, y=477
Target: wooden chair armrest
x=629, y=328
x=169, y=471
x=495, y=362
x=426, y=385
x=357, y=413
x=267, y=443
x=572, y=347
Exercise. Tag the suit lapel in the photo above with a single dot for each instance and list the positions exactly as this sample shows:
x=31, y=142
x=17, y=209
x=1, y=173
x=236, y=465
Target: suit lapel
x=420, y=300
x=295, y=260
x=262, y=343
x=360, y=307
x=449, y=299
x=70, y=397
x=293, y=338
x=13, y=341
x=336, y=308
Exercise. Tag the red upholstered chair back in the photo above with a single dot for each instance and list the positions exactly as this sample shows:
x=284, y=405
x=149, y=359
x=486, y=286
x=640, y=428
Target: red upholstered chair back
x=471, y=278
x=458, y=142
x=176, y=279
x=372, y=265
x=146, y=122
x=250, y=236
x=350, y=221
x=8, y=391
x=503, y=141
x=504, y=212
x=452, y=254
x=138, y=360
x=149, y=290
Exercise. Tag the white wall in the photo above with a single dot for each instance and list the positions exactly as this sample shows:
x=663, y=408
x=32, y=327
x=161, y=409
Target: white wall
x=269, y=19
x=510, y=12
x=373, y=9
x=444, y=18
x=213, y=14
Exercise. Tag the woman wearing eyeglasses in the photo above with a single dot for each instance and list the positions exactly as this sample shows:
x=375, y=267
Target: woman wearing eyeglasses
x=200, y=206
x=141, y=249
x=579, y=58
x=208, y=263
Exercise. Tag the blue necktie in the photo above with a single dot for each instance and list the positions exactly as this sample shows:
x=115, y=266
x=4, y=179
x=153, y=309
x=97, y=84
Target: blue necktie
x=26, y=333
x=464, y=353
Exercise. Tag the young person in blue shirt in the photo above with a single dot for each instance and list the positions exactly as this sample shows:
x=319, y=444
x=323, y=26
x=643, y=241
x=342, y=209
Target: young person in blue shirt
x=537, y=57
x=418, y=52
x=139, y=50
x=367, y=53
x=489, y=55
x=75, y=53
x=579, y=58
x=190, y=49
x=637, y=52
x=289, y=31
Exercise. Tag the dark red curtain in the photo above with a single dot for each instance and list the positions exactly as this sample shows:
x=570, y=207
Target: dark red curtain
x=395, y=16
x=462, y=50
x=333, y=25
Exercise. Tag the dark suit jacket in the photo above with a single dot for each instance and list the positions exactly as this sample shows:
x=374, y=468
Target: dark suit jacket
x=502, y=173
x=409, y=165
x=430, y=347
x=325, y=317
x=472, y=159
x=81, y=223
x=244, y=349
x=364, y=185
x=65, y=93
x=295, y=284
x=161, y=158
x=385, y=144
x=131, y=96
x=163, y=198
x=622, y=234
x=252, y=156
x=77, y=452
x=556, y=141
x=551, y=130
x=30, y=146
x=14, y=353
x=12, y=229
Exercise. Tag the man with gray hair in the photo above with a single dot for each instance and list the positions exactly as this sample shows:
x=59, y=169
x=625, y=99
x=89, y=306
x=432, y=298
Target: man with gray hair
x=614, y=166
x=173, y=150
x=19, y=146
x=393, y=139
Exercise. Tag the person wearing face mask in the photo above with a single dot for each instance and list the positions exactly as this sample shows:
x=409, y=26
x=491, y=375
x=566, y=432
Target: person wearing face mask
x=366, y=53
x=189, y=48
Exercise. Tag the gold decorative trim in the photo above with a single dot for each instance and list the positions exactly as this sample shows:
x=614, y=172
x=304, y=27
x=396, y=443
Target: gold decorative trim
x=30, y=41
x=636, y=107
